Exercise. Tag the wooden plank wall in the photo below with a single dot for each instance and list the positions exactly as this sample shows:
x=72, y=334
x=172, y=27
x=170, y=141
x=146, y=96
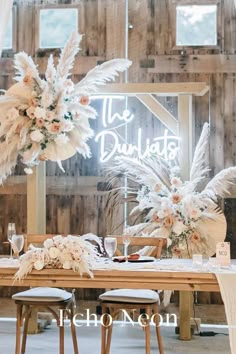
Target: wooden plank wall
x=75, y=203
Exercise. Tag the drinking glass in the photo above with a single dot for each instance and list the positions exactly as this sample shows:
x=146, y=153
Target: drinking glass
x=126, y=241
x=18, y=241
x=11, y=230
x=110, y=245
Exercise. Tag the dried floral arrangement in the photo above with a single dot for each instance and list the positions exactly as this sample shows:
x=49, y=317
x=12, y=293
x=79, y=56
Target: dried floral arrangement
x=184, y=212
x=48, y=118
x=68, y=252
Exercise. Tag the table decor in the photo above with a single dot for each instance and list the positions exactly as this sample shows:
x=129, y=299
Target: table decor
x=48, y=118
x=69, y=252
x=184, y=212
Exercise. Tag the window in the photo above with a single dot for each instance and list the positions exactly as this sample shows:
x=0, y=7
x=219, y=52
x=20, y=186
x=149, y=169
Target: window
x=8, y=41
x=196, y=25
x=56, y=25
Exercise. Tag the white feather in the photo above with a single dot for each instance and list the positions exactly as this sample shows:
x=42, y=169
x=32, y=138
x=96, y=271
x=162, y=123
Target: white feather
x=24, y=65
x=50, y=73
x=101, y=74
x=200, y=166
x=220, y=184
x=67, y=56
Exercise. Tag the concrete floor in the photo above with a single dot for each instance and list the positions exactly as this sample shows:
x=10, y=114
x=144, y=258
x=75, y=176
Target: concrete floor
x=126, y=340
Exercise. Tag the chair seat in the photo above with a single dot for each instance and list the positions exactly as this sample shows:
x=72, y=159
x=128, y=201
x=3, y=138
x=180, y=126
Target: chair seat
x=130, y=296
x=43, y=294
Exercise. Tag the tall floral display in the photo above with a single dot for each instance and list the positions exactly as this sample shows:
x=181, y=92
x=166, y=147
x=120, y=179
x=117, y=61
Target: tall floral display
x=48, y=118
x=183, y=212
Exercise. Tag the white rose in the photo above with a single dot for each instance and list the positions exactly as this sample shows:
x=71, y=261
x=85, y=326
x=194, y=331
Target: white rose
x=68, y=126
x=67, y=265
x=61, y=139
x=195, y=213
x=38, y=265
x=179, y=227
x=48, y=243
x=30, y=112
x=40, y=112
x=53, y=252
x=36, y=136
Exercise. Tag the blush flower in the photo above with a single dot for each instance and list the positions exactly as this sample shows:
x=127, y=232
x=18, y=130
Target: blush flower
x=84, y=100
x=194, y=237
x=55, y=127
x=158, y=187
x=177, y=251
x=36, y=136
x=168, y=221
x=176, y=182
x=176, y=198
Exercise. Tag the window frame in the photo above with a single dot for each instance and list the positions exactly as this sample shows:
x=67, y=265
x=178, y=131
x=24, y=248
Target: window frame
x=37, y=23
x=219, y=27
x=13, y=49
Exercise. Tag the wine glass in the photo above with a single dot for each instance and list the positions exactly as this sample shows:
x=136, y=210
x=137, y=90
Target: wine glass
x=11, y=230
x=110, y=245
x=126, y=241
x=18, y=241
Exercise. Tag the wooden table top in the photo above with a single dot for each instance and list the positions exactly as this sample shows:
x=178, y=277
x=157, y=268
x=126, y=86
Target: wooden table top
x=135, y=279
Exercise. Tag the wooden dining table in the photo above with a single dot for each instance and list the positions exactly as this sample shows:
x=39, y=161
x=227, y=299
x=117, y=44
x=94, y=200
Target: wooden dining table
x=184, y=281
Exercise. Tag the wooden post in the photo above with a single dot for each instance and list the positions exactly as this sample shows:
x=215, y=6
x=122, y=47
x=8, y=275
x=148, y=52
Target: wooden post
x=185, y=312
x=185, y=117
x=36, y=216
x=36, y=200
x=186, y=131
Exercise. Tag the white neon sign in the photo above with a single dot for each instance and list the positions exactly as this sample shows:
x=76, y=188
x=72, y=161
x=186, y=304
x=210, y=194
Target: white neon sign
x=165, y=146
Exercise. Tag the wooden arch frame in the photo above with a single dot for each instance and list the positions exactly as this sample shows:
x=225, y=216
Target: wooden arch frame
x=185, y=91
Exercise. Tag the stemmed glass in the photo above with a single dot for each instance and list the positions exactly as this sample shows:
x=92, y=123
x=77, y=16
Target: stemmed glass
x=18, y=241
x=110, y=245
x=11, y=230
x=126, y=241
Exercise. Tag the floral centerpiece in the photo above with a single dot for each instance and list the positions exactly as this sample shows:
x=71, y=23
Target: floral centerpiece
x=184, y=212
x=48, y=118
x=69, y=252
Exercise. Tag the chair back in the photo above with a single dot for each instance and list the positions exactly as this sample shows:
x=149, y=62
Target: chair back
x=150, y=246
x=35, y=239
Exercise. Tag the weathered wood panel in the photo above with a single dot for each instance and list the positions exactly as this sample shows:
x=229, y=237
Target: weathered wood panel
x=75, y=202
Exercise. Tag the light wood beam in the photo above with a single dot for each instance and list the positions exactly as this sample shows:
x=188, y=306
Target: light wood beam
x=185, y=118
x=160, y=112
x=160, y=89
x=36, y=200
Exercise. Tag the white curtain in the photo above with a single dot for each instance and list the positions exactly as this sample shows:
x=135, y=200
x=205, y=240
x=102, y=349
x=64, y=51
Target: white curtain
x=5, y=11
x=227, y=283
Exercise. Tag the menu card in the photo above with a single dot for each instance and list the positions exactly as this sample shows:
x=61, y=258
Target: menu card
x=223, y=254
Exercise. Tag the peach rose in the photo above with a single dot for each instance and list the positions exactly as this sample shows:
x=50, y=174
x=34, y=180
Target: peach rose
x=168, y=221
x=155, y=218
x=194, y=237
x=27, y=79
x=84, y=100
x=40, y=122
x=55, y=127
x=176, y=198
x=176, y=251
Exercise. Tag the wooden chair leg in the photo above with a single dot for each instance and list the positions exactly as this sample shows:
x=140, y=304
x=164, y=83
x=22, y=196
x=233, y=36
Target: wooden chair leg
x=18, y=327
x=61, y=337
x=147, y=331
x=158, y=330
x=73, y=330
x=106, y=333
x=25, y=331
